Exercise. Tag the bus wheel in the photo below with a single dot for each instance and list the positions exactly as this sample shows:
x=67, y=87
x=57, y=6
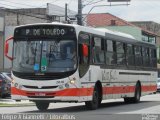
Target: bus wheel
x=92, y=105
x=137, y=94
x=136, y=97
x=42, y=105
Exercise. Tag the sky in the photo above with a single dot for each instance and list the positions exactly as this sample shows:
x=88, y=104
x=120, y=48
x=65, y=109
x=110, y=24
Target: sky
x=137, y=10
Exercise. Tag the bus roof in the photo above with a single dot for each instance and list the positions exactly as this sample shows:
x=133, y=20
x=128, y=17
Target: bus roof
x=113, y=35
x=116, y=33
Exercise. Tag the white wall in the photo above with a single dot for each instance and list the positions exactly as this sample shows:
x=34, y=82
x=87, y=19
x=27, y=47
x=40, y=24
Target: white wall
x=8, y=33
x=1, y=23
x=1, y=42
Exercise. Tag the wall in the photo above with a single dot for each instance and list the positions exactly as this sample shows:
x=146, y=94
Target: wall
x=154, y=27
x=1, y=42
x=134, y=31
x=8, y=33
x=25, y=16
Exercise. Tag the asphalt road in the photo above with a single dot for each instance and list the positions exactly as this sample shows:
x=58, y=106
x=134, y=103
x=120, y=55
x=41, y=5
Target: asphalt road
x=147, y=109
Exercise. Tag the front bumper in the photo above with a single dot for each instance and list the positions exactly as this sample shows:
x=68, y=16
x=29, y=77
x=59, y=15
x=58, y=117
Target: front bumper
x=70, y=95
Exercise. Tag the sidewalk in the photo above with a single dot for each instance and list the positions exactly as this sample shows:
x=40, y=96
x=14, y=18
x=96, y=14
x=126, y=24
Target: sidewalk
x=13, y=103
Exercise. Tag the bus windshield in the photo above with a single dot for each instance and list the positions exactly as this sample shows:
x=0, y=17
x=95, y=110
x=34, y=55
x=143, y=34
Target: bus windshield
x=44, y=55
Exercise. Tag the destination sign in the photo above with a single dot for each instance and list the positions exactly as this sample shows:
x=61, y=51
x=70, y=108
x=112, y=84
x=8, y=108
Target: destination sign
x=50, y=32
x=44, y=31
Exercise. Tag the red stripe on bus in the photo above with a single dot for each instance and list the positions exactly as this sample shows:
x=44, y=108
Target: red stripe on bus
x=118, y=90
x=65, y=92
x=84, y=91
x=149, y=88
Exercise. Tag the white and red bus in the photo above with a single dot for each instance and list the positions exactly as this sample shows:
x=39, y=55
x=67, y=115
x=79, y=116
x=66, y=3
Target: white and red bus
x=57, y=62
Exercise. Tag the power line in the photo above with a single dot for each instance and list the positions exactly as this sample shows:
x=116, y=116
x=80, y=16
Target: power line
x=15, y=8
x=102, y=6
x=21, y=11
x=92, y=2
x=18, y=3
x=95, y=2
x=25, y=4
x=9, y=5
x=88, y=1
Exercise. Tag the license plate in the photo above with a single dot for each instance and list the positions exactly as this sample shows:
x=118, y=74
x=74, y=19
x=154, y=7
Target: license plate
x=40, y=94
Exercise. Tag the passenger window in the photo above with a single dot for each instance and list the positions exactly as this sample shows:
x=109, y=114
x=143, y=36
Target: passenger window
x=130, y=55
x=153, y=60
x=145, y=53
x=110, y=52
x=121, y=53
x=98, y=50
x=138, y=56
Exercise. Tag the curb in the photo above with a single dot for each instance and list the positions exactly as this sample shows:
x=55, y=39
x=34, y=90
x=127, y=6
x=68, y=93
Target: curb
x=13, y=103
x=16, y=105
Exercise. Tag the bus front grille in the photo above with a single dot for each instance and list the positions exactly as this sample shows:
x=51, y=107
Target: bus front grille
x=41, y=96
x=43, y=87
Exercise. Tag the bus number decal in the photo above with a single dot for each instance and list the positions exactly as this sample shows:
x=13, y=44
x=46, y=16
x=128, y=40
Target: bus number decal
x=59, y=82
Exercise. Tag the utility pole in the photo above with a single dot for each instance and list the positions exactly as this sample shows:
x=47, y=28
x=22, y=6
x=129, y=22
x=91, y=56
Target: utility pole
x=66, y=12
x=79, y=16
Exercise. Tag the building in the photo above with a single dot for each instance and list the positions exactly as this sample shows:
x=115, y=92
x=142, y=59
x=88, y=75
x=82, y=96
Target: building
x=145, y=31
x=10, y=18
x=153, y=27
x=109, y=21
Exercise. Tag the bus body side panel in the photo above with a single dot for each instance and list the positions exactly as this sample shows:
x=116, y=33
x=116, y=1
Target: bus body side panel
x=122, y=83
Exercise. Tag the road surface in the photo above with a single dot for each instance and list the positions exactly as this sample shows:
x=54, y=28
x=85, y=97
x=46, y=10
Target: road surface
x=147, y=109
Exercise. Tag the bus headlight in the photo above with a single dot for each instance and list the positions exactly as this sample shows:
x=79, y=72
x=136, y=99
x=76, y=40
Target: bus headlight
x=72, y=81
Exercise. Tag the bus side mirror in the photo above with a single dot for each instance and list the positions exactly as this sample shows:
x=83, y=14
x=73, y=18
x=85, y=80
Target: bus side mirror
x=85, y=50
x=6, y=50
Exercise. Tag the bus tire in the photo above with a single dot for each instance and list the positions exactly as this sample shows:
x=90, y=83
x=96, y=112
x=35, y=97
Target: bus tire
x=94, y=104
x=42, y=105
x=137, y=94
x=136, y=97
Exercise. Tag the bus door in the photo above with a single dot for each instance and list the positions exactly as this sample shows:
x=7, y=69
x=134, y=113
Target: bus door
x=83, y=59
